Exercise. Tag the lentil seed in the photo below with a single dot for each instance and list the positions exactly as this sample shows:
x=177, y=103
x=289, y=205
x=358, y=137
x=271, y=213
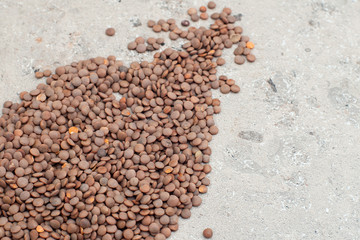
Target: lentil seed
x=110, y=31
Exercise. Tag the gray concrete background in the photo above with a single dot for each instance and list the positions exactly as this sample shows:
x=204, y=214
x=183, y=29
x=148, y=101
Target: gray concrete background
x=285, y=164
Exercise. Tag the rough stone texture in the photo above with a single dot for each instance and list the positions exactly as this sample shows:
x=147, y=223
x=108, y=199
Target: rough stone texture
x=286, y=160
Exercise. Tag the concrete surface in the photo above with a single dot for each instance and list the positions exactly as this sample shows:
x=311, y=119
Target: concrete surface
x=286, y=162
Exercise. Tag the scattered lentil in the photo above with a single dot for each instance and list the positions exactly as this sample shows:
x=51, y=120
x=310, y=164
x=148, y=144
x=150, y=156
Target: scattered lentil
x=39, y=74
x=211, y=5
x=192, y=11
x=204, y=16
x=202, y=9
x=208, y=233
x=194, y=17
x=110, y=32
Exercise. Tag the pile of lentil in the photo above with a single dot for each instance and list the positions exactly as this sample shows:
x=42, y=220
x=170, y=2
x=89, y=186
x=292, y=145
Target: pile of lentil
x=76, y=163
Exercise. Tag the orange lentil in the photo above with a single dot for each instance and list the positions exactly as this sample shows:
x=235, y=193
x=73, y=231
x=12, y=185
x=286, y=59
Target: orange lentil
x=73, y=130
x=250, y=45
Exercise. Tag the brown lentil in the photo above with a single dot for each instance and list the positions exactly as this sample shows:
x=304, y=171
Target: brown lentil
x=132, y=45
x=110, y=32
x=250, y=57
x=39, y=74
x=192, y=11
x=211, y=5
x=156, y=28
x=194, y=17
x=150, y=23
x=204, y=16
x=202, y=9
x=239, y=59
x=141, y=48
x=208, y=233
x=235, y=88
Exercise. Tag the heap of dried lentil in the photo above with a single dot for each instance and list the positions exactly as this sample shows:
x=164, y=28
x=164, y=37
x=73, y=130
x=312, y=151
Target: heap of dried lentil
x=76, y=163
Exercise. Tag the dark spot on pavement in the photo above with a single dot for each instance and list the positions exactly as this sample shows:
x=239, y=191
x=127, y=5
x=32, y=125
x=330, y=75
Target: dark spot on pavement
x=136, y=22
x=251, y=136
x=238, y=16
x=272, y=85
